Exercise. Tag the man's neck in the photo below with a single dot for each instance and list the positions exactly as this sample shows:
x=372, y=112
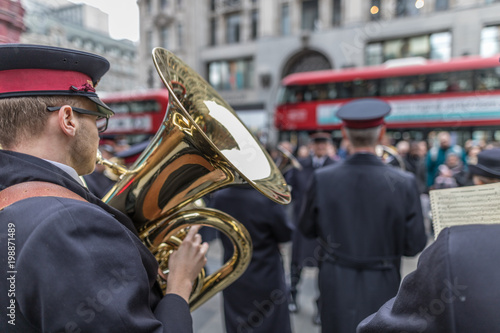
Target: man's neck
x=369, y=150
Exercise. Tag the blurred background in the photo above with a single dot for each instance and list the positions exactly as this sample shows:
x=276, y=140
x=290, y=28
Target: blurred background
x=245, y=48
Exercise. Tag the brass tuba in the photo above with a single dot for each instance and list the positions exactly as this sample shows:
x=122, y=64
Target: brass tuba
x=201, y=146
x=286, y=161
x=390, y=156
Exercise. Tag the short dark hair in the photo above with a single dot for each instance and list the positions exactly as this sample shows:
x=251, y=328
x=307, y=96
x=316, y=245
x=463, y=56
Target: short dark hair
x=22, y=117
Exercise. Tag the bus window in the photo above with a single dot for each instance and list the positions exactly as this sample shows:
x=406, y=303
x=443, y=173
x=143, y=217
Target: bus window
x=488, y=79
x=392, y=86
x=438, y=83
x=332, y=90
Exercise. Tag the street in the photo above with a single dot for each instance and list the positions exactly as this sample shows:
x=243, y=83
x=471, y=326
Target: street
x=209, y=317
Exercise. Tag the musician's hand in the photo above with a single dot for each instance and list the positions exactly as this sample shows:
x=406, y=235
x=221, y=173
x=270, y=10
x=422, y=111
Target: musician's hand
x=186, y=263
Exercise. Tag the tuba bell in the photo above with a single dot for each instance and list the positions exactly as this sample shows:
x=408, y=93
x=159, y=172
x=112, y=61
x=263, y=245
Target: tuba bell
x=390, y=156
x=200, y=147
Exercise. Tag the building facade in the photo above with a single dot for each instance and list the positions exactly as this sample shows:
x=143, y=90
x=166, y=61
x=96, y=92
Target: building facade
x=82, y=27
x=11, y=21
x=245, y=47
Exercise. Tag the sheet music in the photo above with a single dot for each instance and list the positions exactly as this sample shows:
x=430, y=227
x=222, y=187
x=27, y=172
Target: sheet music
x=479, y=204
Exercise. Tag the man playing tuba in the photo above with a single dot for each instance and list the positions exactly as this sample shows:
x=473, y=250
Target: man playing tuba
x=72, y=263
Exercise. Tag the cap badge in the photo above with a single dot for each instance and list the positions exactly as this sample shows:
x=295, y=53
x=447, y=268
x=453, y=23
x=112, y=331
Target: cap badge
x=87, y=86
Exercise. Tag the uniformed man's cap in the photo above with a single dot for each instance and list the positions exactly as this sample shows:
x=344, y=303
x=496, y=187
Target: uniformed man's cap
x=488, y=164
x=320, y=137
x=40, y=70
x=363, y=113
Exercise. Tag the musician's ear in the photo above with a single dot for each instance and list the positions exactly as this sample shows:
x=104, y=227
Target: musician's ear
x=67, y=120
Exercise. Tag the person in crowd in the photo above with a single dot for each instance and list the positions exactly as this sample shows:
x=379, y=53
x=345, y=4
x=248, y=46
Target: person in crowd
x=486, y=169
x=367, y=215
x=304, y=250
x=101, y=180
x=437, y=156
x=77, y=264
x=415, y=163
x=403, y=148
x=451, y=173
x=257, y=301
x=344, y=149
x=455, y=287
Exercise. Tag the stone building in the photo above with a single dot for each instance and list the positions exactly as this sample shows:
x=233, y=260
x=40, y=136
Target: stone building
x=245, y=47
x=65, y=24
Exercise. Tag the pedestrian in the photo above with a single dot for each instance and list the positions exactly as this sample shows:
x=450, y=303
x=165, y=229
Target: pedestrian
x=74, y=263
x=486, y=168
x=257, y=301
x=367, y=215
x=437, y=156
x=305, y=252
x=455, y=287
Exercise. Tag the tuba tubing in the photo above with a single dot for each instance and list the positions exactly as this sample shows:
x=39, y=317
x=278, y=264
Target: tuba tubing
x=200, y=147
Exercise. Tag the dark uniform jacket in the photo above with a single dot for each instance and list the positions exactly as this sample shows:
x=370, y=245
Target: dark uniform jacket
x=455, y=288
x=76, y=266
x=98, y=183
x=367, y=215
x=304, y=250
x=257, y=301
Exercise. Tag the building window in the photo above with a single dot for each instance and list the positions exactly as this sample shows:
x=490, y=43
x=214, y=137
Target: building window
x=440, y=46
x=406, y=8
x=285, y=19
x=433, y=46
x=337, y=12
x=164, y=37
x=231, y=75
x=309, y=14
x=180, y=36
x=149, y=40
x=149, y=7
x=255, y=24
x=233, y=28
x=212, y=5
x=442, y=5
x=213, y=31
x=374, y=54
x=375, y=10
x=164, y=4
x=490, y=41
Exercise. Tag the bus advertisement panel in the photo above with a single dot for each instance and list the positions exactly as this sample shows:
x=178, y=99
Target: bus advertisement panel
x=462, y=92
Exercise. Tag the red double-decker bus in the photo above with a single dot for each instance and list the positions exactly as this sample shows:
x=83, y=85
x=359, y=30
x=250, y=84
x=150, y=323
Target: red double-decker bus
x=460, y=95
x=138, y=114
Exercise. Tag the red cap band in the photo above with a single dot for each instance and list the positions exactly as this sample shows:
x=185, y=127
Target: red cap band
x=19, y=80
x=361, y=124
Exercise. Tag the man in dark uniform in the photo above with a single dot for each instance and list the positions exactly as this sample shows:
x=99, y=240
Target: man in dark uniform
x=456, y=285
x=367, y=215
x=71, y=263
x=257, y=301
x=305, y=252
